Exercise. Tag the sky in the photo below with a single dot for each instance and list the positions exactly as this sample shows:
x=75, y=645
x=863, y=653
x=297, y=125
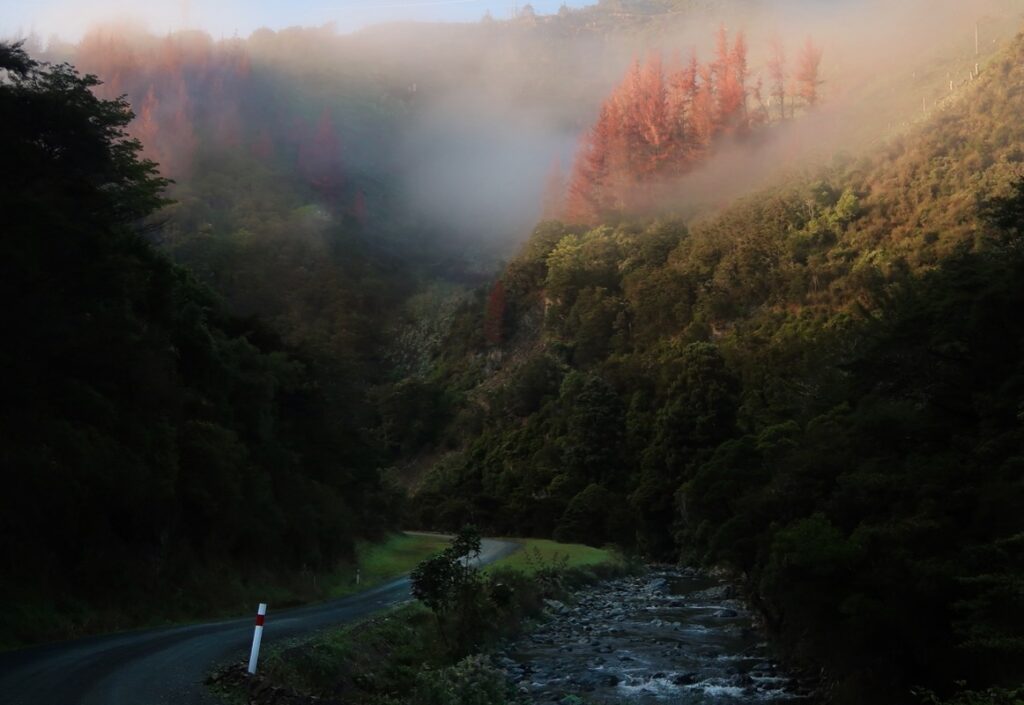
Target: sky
x=70, y=18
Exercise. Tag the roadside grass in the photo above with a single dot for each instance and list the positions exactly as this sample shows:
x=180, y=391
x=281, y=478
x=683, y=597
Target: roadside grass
x=363, y=661
x=539, y=554
x=380, y=562
x=211, y=593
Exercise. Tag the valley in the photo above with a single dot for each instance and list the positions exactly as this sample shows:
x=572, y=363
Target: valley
x=661, y=289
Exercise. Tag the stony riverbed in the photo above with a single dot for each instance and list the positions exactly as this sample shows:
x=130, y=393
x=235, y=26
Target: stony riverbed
x=670, y=636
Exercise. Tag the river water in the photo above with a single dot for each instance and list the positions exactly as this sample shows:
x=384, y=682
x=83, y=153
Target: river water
x=670, y=636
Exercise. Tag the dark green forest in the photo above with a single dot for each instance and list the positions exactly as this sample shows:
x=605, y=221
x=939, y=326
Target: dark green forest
x=819, y=389
x=151, y=441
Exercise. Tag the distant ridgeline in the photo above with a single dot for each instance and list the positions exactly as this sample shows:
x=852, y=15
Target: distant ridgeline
x=820, y=388
x=156, y=451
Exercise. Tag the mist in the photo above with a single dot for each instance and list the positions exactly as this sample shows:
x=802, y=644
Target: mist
x=444, y=133
x=503, y=101
x=473, y=173
x=887, y=66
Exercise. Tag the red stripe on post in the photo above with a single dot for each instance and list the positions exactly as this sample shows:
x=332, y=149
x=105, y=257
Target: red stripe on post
x=259, y=620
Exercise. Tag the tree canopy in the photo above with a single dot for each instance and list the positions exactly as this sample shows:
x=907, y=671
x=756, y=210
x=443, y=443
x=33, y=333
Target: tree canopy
x=148, y=437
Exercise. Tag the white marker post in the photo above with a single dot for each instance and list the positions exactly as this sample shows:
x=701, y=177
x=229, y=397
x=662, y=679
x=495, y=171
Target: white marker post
x=257, y=637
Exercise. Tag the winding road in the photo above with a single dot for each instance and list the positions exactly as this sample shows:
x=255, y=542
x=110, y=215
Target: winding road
x=168, y=665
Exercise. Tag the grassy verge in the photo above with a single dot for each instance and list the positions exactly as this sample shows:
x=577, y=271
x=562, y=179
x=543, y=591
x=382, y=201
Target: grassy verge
x=537, y=554
x=212, y=594
x=374, y=563
x=402, y=657
x=380, y=562
x=360, y=662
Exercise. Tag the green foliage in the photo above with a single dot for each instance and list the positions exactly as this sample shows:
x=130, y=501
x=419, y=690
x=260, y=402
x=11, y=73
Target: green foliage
x=401, y=657
x=412, y=414
x=592, y=444
x=537, y=382
x=170, y=440
x=1006, y=211
x=472, y=681
x=592, y=516
x=365, y=663
x=818, y=388
x=380, y=561
x=540, y=554
x=453, y=588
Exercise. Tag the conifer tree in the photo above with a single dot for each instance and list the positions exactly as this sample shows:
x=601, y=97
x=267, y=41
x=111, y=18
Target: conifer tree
x=653, y=128
x=806, y=75
x=591, y=178
x=777, y=76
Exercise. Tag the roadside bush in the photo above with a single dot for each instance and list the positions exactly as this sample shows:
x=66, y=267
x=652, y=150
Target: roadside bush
x=452, y=587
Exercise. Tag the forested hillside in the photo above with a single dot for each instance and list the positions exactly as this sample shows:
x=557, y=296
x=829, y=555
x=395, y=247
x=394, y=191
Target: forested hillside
x=284, y=201
x=156, y=449
x=181, y=419
x=229, y=314
x=323, y=182
x=818, y=388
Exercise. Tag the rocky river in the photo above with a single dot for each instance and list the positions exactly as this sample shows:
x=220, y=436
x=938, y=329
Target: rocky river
x=669, y=636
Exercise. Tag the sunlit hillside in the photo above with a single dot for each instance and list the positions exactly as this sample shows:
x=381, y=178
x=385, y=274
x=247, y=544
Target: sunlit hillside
x=813, y=388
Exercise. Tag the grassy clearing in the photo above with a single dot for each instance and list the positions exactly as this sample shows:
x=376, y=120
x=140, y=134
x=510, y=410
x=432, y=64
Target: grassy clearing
x=537, y=554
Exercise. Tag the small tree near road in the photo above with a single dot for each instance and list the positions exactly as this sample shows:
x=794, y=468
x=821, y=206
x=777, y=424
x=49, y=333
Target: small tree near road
x=450, y=585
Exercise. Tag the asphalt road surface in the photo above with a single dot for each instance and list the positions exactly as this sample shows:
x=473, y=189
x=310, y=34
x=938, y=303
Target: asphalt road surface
x=168, y=665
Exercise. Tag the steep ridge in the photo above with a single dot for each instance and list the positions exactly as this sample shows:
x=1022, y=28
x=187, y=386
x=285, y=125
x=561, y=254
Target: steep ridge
x=818, y=388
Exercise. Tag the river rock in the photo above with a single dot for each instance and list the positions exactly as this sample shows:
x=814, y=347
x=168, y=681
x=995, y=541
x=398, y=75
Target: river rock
x=667, y=631
x=556, y=606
